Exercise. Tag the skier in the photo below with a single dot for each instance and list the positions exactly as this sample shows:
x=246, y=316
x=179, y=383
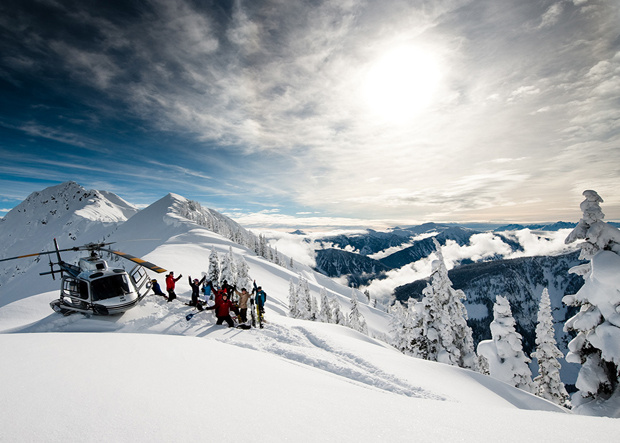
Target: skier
x=156, y=288
x=222, y=308
x=244, y=296
x=170, y=284
x=195, y=285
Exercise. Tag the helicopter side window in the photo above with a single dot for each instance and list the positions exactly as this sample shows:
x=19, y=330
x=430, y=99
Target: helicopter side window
x=109, y=287
x=83, y=289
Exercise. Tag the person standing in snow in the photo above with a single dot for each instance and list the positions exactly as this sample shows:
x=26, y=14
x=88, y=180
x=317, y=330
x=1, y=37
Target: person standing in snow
x=208, y=290
x=222, y=309
x=261, y=298
x=195, y=285
x=230, y=290
x=170, y=284
x=244, y=296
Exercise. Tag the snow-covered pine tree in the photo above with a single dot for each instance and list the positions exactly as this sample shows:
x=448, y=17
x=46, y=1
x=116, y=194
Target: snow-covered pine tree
x=400, y=327
x=227, y=271
x=243, y=274
x=293, y=311
x=356, y=318
x=504, y=352
x=325, y=313
x=483, y=365
x=337, y=314
x=548, y=384
x=421, y=344
x=213, y=273
x=314, y=308
x=448, y=338
x=598, y=321
x=304, y=306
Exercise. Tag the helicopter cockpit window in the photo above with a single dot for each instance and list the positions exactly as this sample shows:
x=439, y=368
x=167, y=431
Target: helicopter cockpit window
x=109, y=287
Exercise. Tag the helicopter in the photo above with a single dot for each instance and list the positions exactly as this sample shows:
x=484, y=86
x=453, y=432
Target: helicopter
x=91, y=286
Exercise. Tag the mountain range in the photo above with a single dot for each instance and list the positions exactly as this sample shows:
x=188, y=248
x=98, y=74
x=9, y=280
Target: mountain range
x=166, y=371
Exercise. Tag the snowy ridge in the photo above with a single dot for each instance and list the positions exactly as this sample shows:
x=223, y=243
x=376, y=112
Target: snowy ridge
x=67, y=212
x=311, y=380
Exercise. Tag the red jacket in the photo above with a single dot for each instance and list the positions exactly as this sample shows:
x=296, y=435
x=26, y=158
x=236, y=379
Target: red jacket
x=170, y=281
x=222, y=307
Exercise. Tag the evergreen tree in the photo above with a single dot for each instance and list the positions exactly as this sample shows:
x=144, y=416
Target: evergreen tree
x=356, y=319
x=597, y=323
x=227, y=270
x=483, y=365
x=314, y=308
x=400, y=327
x=442, y=322
x=337, y=314
x=293, y=310
x=214, y=268
x=367, y=294
x=548, y=384
x=504, y=352
x=325, y=314
x=304, y=305
x=243, y=274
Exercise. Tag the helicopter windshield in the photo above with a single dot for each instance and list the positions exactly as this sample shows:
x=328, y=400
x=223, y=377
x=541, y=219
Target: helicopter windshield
x=109, y=287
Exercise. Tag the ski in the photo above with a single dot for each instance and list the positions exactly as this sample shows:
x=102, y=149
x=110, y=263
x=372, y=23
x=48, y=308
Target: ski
x=252, y=312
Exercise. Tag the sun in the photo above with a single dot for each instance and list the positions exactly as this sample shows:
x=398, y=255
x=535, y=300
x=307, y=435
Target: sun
x=402, y=83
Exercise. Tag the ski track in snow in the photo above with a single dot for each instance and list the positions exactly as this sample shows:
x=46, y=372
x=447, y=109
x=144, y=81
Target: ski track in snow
x=297, y=344
x=301, y=346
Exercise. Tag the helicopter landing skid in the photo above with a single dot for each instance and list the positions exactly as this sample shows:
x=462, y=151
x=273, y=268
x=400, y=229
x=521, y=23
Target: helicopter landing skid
x=57, y=306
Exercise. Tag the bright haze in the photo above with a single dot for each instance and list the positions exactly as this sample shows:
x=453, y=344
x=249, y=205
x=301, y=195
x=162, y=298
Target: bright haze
x=317, y=113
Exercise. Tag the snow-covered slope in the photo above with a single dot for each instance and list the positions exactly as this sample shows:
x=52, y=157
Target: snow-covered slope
x=151, y=375
x=67, y=212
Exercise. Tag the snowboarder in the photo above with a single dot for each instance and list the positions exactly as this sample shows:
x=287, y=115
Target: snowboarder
x=170, y=284
x=156, y=288
x=195, y=285
x=222, y=309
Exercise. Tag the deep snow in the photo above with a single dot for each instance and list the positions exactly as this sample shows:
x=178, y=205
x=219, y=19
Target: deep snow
x=150, y=375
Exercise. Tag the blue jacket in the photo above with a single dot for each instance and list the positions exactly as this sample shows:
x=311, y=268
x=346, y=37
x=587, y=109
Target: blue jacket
x=261, y=298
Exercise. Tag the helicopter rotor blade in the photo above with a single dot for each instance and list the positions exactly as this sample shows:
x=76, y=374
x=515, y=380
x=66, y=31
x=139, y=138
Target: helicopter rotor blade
x=138, y=260
x=38, y=253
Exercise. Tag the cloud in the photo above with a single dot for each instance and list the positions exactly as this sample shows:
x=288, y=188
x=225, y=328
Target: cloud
x=552, y=15
x=482, y=246
x=267, y=101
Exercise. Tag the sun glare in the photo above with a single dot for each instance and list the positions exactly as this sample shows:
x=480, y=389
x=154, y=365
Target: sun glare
x=401, y=83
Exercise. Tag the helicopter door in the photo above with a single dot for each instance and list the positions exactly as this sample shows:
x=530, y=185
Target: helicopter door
x=74, y=291
x=140, y=280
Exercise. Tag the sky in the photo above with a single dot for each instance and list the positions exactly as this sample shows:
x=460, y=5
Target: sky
x=317, y=113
